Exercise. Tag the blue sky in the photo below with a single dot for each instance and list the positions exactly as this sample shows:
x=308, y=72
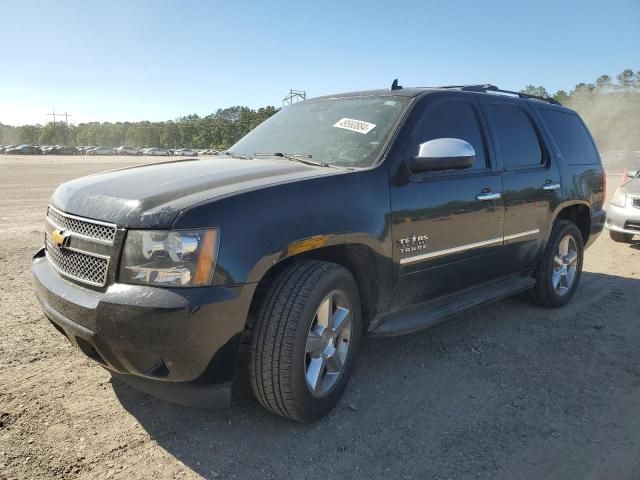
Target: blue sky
x=157, y=60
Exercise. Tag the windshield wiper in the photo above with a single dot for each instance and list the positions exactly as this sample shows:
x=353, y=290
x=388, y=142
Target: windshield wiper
x=296, y=157
x=236, y=155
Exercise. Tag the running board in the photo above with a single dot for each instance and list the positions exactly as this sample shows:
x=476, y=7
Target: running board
x=435, y=311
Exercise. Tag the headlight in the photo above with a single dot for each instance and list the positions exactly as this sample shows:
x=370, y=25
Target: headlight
x=619, y=197
x=180, y=258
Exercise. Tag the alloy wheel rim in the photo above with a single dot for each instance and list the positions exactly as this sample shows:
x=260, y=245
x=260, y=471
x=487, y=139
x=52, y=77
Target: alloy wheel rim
x=565, y=265
x=328, y=343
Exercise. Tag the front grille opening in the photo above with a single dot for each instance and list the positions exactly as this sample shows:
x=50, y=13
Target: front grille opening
x=636, y=202
x=87, y=228
x=89, y=350
x=78, y=265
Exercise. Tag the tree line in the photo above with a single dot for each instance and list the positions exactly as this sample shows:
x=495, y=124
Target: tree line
x=611, y=109
x=218, y=130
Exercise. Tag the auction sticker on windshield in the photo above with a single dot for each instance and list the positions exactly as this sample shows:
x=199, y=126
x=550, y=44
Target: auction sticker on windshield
x=355, y=125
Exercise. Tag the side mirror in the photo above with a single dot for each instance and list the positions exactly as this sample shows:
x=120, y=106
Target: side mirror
x=444, y=154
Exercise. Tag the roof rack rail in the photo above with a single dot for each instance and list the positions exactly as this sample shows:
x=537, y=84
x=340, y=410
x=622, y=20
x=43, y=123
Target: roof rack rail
x=487, y=87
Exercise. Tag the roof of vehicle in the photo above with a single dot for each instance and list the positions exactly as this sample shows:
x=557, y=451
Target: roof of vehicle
x=484, y=89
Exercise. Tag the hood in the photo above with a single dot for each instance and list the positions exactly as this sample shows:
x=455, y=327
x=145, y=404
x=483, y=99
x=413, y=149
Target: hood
x=151, y=196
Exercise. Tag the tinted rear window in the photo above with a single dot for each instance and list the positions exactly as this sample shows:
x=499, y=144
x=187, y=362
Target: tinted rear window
x=571, y=136
x=517, y=139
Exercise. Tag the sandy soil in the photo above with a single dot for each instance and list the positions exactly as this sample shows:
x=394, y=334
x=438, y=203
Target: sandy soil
x=507, y=391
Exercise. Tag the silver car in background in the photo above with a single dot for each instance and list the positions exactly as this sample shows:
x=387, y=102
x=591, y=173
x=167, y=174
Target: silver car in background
x=623, y=213
x=186, y=152
x=156, y=152
x=127, y=151
x=100, y=151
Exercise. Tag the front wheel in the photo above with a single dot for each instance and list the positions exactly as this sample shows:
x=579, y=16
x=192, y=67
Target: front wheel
x=305, y=340
x=559, y=272
x=621, y=237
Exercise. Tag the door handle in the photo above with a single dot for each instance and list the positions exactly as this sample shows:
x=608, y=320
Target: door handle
x=550, y=186
x=484, y=196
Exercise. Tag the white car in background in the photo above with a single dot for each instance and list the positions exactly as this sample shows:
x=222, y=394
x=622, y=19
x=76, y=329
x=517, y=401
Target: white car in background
x=100, y=151
x=186, y=152
x=156, y=152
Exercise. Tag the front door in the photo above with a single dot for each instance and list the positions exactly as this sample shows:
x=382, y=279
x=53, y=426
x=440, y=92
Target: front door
x=447, y=226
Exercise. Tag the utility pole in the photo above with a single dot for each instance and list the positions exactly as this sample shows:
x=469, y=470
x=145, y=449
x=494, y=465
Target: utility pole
x=66, y=116
x=294, y=96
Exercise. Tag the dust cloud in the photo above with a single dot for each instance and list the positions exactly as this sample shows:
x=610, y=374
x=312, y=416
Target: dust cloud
x=614, y=122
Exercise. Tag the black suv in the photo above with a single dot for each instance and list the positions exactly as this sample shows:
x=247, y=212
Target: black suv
x=379, y=211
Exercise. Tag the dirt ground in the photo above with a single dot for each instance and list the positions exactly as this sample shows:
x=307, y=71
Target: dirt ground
x=509, y=391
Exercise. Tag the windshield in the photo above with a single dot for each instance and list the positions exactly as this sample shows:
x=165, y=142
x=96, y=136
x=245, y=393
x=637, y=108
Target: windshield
x=348, y=131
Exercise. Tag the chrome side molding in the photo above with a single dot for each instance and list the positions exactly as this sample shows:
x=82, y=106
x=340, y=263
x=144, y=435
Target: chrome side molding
x=469, y=246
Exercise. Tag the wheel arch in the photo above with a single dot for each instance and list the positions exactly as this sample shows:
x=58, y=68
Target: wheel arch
x=578, y=213
x=364, y=261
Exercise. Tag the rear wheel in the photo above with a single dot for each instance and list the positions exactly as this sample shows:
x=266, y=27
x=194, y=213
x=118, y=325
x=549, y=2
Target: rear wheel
x=621, y=237
x=560, y=270
x=305, y=340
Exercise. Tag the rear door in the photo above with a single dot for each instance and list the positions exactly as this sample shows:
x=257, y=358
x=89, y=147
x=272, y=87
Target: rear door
x=531, y=179
x=447, y=226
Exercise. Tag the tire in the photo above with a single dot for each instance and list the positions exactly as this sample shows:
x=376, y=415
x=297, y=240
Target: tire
x=621, y=237
x=281, y=360
x=546, y=292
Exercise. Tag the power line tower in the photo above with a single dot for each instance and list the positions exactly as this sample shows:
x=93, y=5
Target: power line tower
x=54, y=114
x=294, y=96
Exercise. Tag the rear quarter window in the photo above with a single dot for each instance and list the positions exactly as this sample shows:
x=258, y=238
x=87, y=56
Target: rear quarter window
x=571, y=136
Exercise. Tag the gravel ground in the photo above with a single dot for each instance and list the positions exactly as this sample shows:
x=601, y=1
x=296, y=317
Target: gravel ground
x=508, y=391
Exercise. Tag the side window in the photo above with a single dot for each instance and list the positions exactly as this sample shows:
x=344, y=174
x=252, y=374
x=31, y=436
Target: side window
x=451, y=119
x=516, y=137
x=571, y=136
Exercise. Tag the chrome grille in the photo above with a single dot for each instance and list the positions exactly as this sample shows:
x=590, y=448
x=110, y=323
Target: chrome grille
x=80, y=266
x=91, y=229
x=636, y=202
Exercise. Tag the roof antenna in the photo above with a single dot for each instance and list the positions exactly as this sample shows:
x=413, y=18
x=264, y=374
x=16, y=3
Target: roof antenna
x=395, y=86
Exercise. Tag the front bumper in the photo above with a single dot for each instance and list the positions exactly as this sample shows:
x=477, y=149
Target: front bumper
x=623, y=219
x=161, y=340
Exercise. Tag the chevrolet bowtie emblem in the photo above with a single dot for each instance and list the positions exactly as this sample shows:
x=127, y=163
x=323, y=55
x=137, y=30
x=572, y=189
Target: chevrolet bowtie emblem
x=60, y=238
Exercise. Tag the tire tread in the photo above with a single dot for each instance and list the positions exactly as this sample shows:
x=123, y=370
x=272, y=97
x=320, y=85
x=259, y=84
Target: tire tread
x=274, y=335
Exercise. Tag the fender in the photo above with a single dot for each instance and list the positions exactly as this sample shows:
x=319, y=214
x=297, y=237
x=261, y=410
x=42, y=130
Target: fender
x=261, y=228
x=313, y=244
